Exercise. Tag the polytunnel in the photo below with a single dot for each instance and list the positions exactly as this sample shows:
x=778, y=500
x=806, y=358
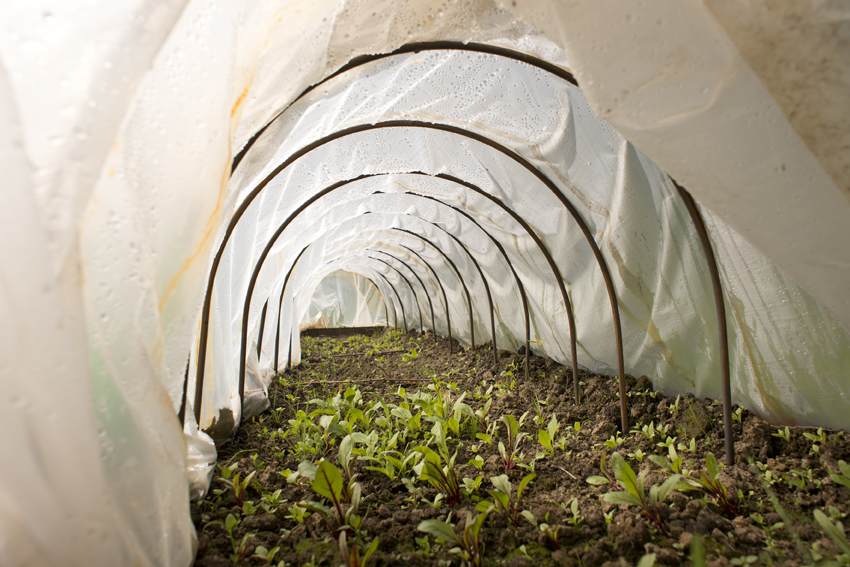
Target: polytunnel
x=658, y=190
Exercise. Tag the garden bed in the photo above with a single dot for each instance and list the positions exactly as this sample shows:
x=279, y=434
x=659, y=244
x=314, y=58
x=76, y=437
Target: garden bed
x=381, y=397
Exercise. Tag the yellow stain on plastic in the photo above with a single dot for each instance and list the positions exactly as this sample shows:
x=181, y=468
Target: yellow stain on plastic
x=238, y=106
x=212, y=223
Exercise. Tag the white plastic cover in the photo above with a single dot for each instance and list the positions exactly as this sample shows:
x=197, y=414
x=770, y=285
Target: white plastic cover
x=344, y=299
x=118, y=122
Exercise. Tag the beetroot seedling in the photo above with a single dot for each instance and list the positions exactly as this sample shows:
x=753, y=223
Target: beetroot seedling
x=502, y=497
x=469, y=545
x=710, y=485
x=633, y=491
x=515, y=437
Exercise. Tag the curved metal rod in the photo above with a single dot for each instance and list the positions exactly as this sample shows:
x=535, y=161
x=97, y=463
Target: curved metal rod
x=480, y=273
x=400, y=304
x=408, y=285
x=409, y=124
x=442, y=289
x=262, y=328
x=483, y=279
x=451, y=179
x=395, y=315
x=381, y=295
x=502, y=52
x=720, y=308
x=378, y=291
x=459, y=277
x=283, y=290
x=415, y=47
x=558, y=278
x=513, y=271
x=280, y=305
x=412, y=271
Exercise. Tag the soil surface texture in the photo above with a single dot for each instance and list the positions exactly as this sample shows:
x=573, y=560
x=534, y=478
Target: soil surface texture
x=374, y=403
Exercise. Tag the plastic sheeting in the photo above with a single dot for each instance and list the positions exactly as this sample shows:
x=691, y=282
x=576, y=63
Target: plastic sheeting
x=638, y=219
x=344, y=299
x=118, y=122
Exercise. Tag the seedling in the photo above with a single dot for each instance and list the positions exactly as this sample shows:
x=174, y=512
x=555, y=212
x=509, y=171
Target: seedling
x=410, y=356
x=271, y=502
x=346, y=459
x=539, y=416
x=298, y=513
x=710, y=485
x=614, y=441
x=431, y=468
x=515, y=437
x=691, y=448
x=329, y=484
x=633, y=491
x=469, y=546
x=674, y=407
x=470, y=486
x=572, y=506
x=257, y=462
x=820, y=437
x=671, y=466
x=239, y=486
x=351, y=556
x=240, y=547
x=394, y=466
x=607, y=479
x=482, y=414
x=844, y=477
x=783, y=434
x=547, y=436
x=502, y=497
x=266, y=554
x=551, y=533
x=738, y=416
x=649, y=431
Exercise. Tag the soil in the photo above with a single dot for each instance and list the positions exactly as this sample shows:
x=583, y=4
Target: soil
x=779, y=482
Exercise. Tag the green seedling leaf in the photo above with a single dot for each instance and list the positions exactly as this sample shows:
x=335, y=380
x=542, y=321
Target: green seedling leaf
x=523, y=483
x=441, y=530
x=369, y=551
x=625, y=474
x=834, y=531
x=328, y=482
x=485, y=506
x=622, y=498
x=667, y=487
x=545, y=439
x=711, y=465
x=307, y=470
x=502, y=499
x=502, y=484
x=230, y=522
x=345, y=448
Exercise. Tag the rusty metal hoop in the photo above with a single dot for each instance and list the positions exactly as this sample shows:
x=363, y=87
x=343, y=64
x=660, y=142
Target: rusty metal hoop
x=564, y=74
x=410, y=124
x=412, y=271
x=418, y=307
